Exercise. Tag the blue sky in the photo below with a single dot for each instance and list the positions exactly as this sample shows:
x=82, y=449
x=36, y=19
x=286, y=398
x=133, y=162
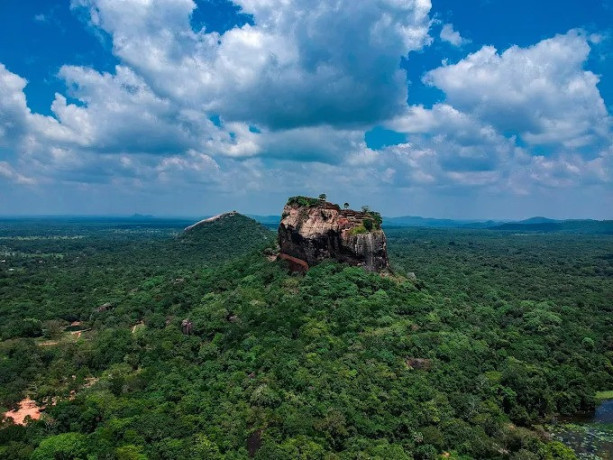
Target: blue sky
x=473, y=109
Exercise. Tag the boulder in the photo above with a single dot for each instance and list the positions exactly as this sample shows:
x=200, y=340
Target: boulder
x=313, y=230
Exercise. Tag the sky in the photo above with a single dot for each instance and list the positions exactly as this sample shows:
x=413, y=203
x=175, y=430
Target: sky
x=479, y=109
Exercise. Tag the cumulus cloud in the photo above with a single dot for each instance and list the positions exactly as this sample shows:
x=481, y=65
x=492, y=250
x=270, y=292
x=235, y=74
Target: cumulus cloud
x=294, y=86
x=300, y=64
x=7, y=172
x=282, y=104
x=13, y=107
x=462, y=149
x=523, y=120
x=541, y=92
x=517, y=121
x=122, y=133
x=449, y=35
x=120, y=113
x=18, y=124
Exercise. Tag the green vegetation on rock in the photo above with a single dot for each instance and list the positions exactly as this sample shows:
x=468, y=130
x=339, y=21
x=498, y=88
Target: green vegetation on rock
x=604, y=395
x=303, y=201
x=359, y=230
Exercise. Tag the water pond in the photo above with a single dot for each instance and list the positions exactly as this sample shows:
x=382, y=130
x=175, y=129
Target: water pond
x=589, y=435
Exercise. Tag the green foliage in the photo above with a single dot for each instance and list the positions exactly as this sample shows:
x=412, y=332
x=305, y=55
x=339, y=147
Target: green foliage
x=358, y=230
x=604, y=395
x=66, y=446
x=556, y=450
x=593, y=441
x=211, y=239
x=130, y=452
x=378, y=220
x=372, y=221
x=303, y=201
x=369, y=224
x=503, y=334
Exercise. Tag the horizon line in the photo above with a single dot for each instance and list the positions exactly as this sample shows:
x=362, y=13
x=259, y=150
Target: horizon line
x=191, y=217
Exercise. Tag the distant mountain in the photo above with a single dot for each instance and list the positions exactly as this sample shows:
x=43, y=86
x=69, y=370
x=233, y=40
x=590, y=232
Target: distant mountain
x=404, y=221
x=415, y=221
x=269, y=221
x=542, y=225
x=533, y=224
x=538, y=220
x=142, y=216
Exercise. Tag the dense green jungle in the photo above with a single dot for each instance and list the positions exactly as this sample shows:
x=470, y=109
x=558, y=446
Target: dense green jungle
x=477, y=345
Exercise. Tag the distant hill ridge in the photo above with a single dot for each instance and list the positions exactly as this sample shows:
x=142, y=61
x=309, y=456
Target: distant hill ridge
x=533, y=224
x=211, y=219
x=537, y=220
x=602, y=227
x=225, y=235
x=416, y=221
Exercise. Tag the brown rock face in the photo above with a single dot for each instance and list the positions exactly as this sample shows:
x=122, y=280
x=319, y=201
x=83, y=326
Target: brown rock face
x=313, y=230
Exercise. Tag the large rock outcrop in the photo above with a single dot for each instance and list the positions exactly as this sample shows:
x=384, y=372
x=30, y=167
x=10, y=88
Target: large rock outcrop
x=313, y=230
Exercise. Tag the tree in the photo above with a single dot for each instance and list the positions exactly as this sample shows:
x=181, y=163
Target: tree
x=323, y=197
x=130, y=452
x=66, y=445
x=28, y=327
x=53, y=329
x=346, y=206
x=365, y=208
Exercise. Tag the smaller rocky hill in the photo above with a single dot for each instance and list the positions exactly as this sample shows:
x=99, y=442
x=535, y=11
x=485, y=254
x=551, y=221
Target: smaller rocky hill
x=312, y=230
x=204, y=223
x=225, y=236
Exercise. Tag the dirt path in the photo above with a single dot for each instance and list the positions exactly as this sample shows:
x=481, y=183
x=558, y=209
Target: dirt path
x=26, y=407
x=77, y=334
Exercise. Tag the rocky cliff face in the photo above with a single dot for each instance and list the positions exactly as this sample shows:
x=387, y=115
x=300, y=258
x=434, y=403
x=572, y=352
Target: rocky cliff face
x=313, y=230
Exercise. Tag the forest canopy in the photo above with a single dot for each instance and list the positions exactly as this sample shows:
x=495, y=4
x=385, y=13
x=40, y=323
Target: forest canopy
x=477, y=340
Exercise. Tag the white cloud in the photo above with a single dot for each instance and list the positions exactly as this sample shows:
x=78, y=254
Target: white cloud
x=122, y=133
x=13, y=107
x=120, y=113
x=449, y=35
x=321, y=143
x=301, y=64
x=460, y=144
x=292, y=95
x=541, y=92
x=307, y=77
x=7, y=172
x=521, y=120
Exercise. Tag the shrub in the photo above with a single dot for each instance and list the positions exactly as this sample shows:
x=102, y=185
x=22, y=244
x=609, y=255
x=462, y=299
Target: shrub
x=303, y=201
x=358, y=230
